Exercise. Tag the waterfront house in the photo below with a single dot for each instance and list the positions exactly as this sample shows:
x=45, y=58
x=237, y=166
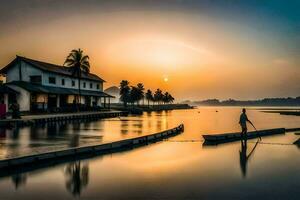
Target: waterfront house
x=41, y=86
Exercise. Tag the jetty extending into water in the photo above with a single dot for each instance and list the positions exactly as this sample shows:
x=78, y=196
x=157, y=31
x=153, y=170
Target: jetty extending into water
x=230, y=137
x=88, y=151
x=45, y=118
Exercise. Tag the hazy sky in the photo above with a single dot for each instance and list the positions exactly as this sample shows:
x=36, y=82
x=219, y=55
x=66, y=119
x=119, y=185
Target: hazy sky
x=206, y=49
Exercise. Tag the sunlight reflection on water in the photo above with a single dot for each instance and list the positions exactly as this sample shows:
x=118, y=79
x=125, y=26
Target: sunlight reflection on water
x=169, y=170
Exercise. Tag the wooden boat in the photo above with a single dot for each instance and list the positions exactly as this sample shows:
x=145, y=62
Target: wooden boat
x=228, y=137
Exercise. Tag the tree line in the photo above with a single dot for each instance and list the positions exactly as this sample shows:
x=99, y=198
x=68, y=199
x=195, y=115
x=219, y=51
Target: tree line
x=135, y=94
x=289, y=101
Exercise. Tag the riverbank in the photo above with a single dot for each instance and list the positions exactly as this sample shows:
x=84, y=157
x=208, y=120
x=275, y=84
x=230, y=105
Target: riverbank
x=139, y=109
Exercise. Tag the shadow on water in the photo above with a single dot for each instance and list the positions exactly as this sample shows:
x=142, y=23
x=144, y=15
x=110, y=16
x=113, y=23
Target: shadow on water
x=77, y=177
x=244, y=158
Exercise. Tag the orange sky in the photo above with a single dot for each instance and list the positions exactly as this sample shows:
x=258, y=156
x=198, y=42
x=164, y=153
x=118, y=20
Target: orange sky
x=201, y=55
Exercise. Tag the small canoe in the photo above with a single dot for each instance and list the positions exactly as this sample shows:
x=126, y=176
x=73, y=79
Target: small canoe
x=228, y=137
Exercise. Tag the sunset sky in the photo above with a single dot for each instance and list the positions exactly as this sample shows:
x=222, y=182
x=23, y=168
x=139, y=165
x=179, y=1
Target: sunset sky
x=194, y=49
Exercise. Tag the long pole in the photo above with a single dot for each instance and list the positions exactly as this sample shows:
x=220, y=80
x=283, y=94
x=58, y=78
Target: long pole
x=256, y=131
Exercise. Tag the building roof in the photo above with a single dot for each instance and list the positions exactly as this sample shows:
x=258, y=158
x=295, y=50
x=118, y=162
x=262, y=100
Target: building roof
x=59, y=69
x=4, y=89
x=56, y=90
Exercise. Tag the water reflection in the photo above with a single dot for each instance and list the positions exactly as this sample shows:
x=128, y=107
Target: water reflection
x=19, y=180
x=138, y=126
x=124, y=126
x=244, y=158
x=77, y=177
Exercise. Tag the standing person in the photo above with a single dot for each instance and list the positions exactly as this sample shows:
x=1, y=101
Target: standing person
x=243, y=122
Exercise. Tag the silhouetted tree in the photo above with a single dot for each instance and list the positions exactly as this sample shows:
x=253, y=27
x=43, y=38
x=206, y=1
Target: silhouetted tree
x=149, y=96
x=78, y=62
x=134, y=94
x=158, y=96
x=171, y=99
x=141, y=93
x=124, y=92
x=165, y=97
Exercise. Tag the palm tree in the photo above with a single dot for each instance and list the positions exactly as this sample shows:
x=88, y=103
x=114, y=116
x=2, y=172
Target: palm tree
x=134, y=94
x=141, y=93
x=149, y=96
x=78, y=62
x=171, y=99
x=124, y=92
x=158, y=95
x=166, y=97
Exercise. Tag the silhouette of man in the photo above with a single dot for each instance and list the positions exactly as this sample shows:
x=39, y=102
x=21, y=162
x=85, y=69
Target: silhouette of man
x=243, y=122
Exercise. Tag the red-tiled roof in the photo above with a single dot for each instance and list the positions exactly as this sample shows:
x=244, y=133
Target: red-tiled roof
x=59, y=69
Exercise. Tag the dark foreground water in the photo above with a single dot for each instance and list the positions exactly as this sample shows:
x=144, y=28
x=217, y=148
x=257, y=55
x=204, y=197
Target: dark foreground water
x=180, y=168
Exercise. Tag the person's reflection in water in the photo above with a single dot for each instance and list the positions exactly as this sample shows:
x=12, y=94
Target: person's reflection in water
x=77, y=177
x=19, y=180
x=244, y=157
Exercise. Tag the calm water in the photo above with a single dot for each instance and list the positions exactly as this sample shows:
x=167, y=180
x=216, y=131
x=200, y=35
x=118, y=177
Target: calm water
x=173, y=169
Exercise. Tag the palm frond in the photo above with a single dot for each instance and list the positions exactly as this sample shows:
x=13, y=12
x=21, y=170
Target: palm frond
x=85, y=58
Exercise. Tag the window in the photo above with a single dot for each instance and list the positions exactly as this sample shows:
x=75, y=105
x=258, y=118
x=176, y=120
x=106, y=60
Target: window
x=52, y=80
x=36, y=79
x=62, y=81
x=84, y=84
x=73, y=83
x=91, y=85
x=98, y=86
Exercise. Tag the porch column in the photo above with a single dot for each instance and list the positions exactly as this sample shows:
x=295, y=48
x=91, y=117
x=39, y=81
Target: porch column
x=58, y=101
x=109, y=102
x=104, y=104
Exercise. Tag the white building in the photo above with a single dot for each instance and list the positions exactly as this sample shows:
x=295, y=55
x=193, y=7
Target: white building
x=37, y=85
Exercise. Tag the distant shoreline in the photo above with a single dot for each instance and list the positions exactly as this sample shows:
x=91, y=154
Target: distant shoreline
x=261, y=107
x=266, y=102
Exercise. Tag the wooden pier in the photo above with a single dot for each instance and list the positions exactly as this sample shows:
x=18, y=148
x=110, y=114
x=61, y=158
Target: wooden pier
x=87, y=151
x=49, y=118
